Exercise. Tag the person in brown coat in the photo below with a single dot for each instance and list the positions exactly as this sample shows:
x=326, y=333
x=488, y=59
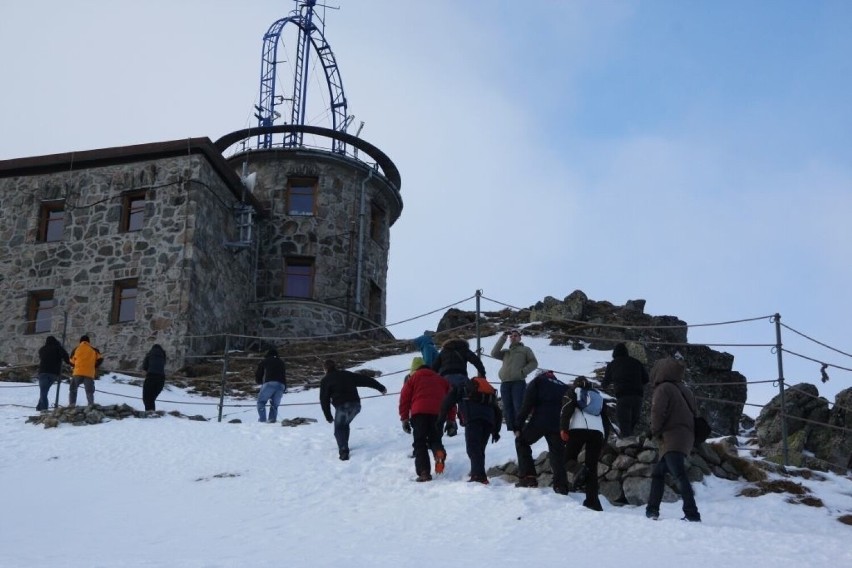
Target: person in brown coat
x=672, y=425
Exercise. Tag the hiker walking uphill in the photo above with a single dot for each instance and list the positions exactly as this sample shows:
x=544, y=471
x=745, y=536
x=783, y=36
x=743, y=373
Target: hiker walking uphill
x=518, y=362
x=628, y=378
x=50, y=358
x=480, y=415
x=340, y=389
x=452, y=361
x=583, y=422
x=271, y=374
x=85, y=359
x=426, y=345
x=154, y=366
x=672, y=425
x=542, y=405
x=419, y=405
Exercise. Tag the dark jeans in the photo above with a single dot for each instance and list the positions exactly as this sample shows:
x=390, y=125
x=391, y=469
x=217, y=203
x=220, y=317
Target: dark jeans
x=88, y=386
x=151, y=389
x=476, y=435
x=45, y=380
x=426, y=437
x=555, y=449
x=343, y=416
x=627, y=410
x=672, y=463
x=593, y=440
x=512, y=393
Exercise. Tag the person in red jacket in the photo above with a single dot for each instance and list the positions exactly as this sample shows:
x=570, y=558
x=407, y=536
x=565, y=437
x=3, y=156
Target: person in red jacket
x=419, y=404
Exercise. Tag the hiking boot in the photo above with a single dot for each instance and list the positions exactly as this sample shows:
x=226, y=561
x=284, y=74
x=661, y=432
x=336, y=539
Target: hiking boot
x=592, y=505
x=692, y=519
x=423, y=477
x=440, y=456
x=653, y=515
x=478, y=479
x=527, y=481
x=344, y=455
x=561, y=489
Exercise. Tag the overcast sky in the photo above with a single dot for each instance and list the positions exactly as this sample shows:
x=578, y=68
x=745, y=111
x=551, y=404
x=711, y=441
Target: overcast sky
x=694, y=154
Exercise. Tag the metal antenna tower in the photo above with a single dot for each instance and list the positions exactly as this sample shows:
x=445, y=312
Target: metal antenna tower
x=310, y=39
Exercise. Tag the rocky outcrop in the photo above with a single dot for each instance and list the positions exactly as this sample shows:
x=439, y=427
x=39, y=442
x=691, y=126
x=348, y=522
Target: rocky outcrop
x=579, y=322
x=818, y=436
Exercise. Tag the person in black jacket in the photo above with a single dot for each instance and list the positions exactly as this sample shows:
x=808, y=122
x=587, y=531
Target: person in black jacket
x=272, y=375
x=451, y=362
x=542, y=405
x=50, y=358
x=154, y=366
x=482, y=419
x=340, y=389
x=628, y=378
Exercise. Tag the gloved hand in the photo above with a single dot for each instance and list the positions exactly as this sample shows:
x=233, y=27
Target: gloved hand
x=406, y=426
x=495, y=437
x=451, y=429
x=564, y=435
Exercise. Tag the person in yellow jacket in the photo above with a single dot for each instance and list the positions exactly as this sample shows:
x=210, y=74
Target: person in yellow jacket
x=85, y=360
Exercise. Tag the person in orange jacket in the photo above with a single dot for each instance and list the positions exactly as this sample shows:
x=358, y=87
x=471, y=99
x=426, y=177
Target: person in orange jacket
x=85, y=359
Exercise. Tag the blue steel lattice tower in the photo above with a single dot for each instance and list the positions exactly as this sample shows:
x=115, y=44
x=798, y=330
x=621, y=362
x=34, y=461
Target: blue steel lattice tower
x=322, y=241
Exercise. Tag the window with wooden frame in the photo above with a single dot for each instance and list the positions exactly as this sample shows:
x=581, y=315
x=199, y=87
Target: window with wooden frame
x=40, y=306
x=51, y=221
x=299, y=277
x=132, y=211
x=374, y=306
x=124, y=294
x=301, y=196
x=377, y=222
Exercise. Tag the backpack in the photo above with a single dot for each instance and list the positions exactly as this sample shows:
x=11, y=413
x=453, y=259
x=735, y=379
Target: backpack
x=480, y=390
x=701, y=429
x=590, y=401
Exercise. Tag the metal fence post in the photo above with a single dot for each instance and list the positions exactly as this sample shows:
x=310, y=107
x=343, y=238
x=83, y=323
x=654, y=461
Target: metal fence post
x=224, y=376
x=478, y=334
x=64, y=339
x=780, y=358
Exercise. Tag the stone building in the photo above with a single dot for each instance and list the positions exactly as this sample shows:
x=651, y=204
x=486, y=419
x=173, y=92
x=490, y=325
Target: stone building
x=165, y=243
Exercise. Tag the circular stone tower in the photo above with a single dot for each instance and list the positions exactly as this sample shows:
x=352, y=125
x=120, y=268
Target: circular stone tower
x=320, y=243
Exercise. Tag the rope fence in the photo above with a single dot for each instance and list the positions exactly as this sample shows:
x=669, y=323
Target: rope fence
x=777, y=349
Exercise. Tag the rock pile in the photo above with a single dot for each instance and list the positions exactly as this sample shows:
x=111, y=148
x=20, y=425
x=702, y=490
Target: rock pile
x=95, y=414
x=624, y=470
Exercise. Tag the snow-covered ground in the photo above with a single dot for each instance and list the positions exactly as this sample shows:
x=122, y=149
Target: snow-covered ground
x=172, y=492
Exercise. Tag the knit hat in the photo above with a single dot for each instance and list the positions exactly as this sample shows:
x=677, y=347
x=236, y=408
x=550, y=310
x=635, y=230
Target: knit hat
x=416, y=363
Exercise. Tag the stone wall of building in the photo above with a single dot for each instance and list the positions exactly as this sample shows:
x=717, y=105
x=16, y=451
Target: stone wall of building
x=177, y=257
x=331, y=236
x=219, y=273
x=308, y=318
